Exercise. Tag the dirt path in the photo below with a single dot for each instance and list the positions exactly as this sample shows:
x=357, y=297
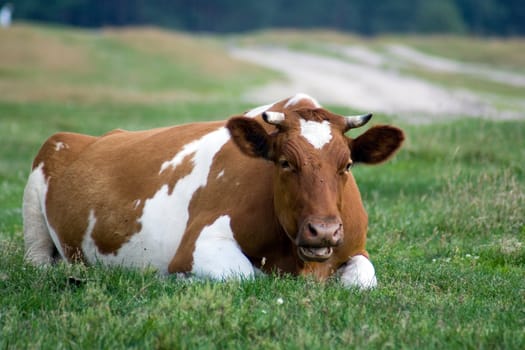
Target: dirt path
x=364, y=86
x=441, y=64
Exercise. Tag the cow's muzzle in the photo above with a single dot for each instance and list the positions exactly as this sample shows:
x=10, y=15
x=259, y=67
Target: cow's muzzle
x=317, y=238
x=315, y=254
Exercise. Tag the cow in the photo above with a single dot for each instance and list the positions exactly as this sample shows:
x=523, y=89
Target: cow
x=267, y=191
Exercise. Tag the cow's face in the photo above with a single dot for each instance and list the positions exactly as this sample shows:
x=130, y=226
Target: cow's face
x=312, y=159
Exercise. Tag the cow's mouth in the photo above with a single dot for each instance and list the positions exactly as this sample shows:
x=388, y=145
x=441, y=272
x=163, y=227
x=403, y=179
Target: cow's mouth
x=315, y=253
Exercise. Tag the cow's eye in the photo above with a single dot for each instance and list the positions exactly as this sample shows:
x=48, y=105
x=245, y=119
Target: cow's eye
x=348, y=166
x=284, y=164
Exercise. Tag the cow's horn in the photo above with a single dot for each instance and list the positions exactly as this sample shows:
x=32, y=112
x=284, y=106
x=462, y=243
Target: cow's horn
x=275, y=118
x=357, y=120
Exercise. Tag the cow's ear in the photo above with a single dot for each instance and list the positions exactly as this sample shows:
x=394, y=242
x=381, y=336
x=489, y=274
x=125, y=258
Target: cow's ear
x=250, y=137
x=377, y=144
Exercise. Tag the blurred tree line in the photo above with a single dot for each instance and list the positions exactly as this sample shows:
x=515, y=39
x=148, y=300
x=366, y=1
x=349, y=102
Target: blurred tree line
x=368, y=17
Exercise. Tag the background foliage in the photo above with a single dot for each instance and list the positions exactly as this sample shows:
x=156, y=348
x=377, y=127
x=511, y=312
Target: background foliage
x=485, y=17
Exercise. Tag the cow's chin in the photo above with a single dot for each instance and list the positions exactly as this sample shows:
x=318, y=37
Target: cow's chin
x=318, y=254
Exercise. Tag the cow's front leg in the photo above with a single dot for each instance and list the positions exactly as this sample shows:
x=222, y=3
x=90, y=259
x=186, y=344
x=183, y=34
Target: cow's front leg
x=358, y=272
x=217, y=254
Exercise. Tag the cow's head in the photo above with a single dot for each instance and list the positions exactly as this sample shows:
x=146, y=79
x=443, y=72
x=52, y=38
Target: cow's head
x=312, y=158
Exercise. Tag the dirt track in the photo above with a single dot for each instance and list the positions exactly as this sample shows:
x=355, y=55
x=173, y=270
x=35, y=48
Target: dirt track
x=363, y=83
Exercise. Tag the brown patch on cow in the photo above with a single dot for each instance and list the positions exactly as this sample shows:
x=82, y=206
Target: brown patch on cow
x=320, y=271
x=316, y=115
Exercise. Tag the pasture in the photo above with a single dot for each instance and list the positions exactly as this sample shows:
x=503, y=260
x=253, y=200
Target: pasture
x=447, y=214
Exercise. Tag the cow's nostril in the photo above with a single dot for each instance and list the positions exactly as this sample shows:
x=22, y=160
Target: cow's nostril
x=312, y=229
x=338, y=233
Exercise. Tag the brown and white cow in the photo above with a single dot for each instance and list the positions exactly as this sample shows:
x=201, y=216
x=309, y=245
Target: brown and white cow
x=270, y=190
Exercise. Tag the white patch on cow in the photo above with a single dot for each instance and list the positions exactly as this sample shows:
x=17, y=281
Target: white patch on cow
x=40, y=238
x=165, y=215
x=317, y=133
x=358, y=272
x=139, y=252
x=217, y=255
x=274, y=117
x=221, y=174
x=89, y=248
x=188, y=149
x=60, y=145
x=92, y=220
x=258, y=110
x=299, y=97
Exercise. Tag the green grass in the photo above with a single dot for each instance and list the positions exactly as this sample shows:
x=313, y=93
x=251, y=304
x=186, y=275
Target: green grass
x=447, y=229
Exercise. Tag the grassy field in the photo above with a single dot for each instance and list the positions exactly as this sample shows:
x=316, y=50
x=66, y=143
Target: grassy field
x=447, y=215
